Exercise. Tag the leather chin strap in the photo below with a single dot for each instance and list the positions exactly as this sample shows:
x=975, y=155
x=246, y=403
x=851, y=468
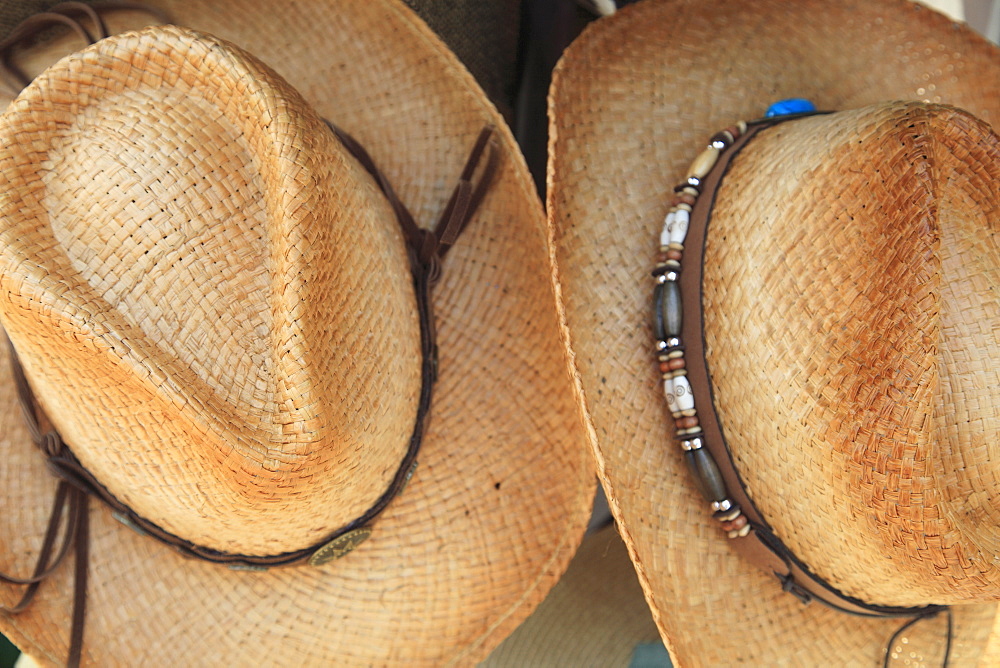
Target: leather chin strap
x=761, y=547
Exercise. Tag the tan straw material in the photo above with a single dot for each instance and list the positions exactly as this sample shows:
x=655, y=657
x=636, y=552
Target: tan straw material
x=850, y=320
x=212, y=301
x=595, y=616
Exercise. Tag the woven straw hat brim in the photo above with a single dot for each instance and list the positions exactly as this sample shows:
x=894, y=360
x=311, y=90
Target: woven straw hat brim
x=502, y=494
x=595, y=615
x=632, y=101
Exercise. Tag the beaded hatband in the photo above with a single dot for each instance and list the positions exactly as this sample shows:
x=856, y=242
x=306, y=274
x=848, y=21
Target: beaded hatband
x=669, y=346
x=700, y=434
x=668, y=320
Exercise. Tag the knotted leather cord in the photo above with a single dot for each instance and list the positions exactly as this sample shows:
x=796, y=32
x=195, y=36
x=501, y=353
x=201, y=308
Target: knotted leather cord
x=761, y=547
x=425, y=248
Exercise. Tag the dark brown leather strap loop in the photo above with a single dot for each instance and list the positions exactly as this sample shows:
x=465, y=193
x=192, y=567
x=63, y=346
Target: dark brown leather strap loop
x=468, y=195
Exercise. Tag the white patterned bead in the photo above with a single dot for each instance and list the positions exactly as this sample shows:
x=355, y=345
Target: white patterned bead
x=676, y=226
x=683, y=397
x=668, y=224
x=668, y=390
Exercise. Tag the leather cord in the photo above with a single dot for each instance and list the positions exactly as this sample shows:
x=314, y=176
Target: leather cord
x=761, y=547
x=426, y=249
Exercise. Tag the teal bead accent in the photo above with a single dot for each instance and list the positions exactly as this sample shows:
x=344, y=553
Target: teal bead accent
x=793, y=105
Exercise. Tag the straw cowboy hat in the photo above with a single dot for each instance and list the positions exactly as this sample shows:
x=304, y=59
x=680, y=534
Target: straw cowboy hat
x=220, y=307
x=845, y=308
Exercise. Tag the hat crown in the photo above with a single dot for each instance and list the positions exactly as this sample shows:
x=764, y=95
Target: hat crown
x=851, y=368
x=211, y=299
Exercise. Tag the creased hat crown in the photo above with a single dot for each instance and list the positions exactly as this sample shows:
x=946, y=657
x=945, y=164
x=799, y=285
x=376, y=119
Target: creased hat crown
x=211, y=298
x=850, y=365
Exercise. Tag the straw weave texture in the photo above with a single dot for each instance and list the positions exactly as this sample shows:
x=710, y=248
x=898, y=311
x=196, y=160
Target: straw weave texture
x=847, y=360
x=502, y=494
x=287, y=401
x=827, y=337
x=594, y=616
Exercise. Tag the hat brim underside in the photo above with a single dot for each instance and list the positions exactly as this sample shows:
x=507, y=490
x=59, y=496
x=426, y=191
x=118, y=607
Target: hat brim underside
x=633, y=100
x=501, y=496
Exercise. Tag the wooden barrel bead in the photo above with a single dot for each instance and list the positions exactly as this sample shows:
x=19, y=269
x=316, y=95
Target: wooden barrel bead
x=684, y=198
x=735, y=524
x=685, y=422
x=674, y=255
x=675, y=363
x=703, y=164
x=706, y=474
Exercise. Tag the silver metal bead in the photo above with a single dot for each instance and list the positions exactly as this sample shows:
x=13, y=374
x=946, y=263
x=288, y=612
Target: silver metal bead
x=725, y=504
x=671, y=275
x=718, y=144
x=692, y=444
x=694, y=181
x=661, y=345
x=662, y=278
x=672, y=342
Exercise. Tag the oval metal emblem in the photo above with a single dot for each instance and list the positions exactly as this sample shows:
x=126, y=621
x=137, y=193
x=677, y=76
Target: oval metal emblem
x=340, y=546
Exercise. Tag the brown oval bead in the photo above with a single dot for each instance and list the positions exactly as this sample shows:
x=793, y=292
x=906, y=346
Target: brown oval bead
x=673, y=254
x=684, y=198
x=664, y=367
x=734, y=131
x=686, y=422
x=663, y=257
x=676, y=363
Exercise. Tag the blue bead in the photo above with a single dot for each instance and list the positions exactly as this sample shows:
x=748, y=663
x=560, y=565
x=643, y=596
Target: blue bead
x=793, y=105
